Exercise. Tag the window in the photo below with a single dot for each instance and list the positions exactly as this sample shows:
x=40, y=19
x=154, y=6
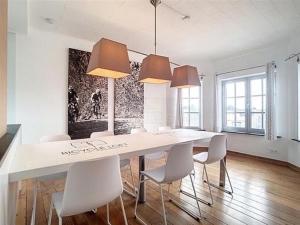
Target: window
x=191, y=105
x=244, y=104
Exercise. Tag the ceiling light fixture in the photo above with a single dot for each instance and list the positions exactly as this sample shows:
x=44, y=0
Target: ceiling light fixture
x=109, y=59
x=185, y=77
x=155, y=69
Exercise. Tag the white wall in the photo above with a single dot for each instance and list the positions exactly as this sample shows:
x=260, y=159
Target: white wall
x=11, y=78
x=41, y=85
x=280, y=149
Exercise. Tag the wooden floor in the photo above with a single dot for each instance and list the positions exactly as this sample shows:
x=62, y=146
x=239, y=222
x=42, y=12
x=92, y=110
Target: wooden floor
x=263, y=194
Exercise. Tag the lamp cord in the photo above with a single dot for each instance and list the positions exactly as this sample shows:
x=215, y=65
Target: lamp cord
x=155, y=28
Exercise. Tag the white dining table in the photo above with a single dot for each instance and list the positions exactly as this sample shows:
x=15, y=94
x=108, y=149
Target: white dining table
x=35, y=160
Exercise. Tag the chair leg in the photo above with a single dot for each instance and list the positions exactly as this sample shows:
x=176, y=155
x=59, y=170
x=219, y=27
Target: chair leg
x=34, y=202
x=203, y=173
x=195, y=195
x=132, y=179
x=137, y=197
x=123, y=210
x=227, y=176
x=163, y=204
x=107, y=214
x=212, y=201
x=59, y=220
x=136, y=202
x=50, y=213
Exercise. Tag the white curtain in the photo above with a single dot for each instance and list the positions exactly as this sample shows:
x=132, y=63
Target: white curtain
x=179, y=114
x=270, y=131
x=218, y=105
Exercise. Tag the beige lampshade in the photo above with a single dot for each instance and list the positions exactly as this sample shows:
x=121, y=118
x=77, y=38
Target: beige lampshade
x=185, y=76
x=109, y=59
x=155, y=69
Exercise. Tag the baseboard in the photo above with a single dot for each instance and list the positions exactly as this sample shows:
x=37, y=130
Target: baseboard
x=272, y=161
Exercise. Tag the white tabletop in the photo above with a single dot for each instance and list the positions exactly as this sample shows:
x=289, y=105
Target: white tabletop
x=35, y=160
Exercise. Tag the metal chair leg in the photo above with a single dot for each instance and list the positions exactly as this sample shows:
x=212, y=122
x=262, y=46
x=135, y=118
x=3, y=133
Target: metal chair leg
x=195, y=196
x=136, y=202
x=132, y=179
x=212, y=201
x=227, y=176
x=123, y=210
x=50, y=213
x=34, y=203
x=59, y=220
x=107, y=214
x=163, y=204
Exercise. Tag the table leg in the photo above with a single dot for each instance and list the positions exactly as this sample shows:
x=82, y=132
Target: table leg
x=142, y=196
x=222, y=173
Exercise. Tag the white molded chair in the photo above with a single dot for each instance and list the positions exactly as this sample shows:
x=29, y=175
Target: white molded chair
x=84, y=193
x=152, y=156
x=171, y=171
x=124, y=163
x=49, y=138
x=216, y=152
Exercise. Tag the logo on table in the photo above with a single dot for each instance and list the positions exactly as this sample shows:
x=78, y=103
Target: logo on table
x=83, y=147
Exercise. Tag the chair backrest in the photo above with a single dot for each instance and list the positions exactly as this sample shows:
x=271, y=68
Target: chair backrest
x=52, y=138
x=164, y=128
x=91, y=184
x=179, y=162
x=138, y=130
x=102, y=134
x=216, y=149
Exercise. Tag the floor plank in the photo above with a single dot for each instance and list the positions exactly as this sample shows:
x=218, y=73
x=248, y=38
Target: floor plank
x=264, y=193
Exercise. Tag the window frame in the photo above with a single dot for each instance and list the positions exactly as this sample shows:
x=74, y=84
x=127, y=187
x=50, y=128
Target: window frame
x=189, y=112
x=248, y=113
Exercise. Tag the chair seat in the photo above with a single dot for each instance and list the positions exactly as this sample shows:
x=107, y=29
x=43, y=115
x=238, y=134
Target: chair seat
x=124, y=162
x=201, y=157
x=57, y=199
x=157, y=174
x=55, y=176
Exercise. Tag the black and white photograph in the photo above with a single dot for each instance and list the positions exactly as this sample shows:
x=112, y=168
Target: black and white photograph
x=87, y=97
x=129, y=101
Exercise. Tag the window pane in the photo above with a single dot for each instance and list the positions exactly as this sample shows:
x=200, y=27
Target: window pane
x=256, y=87
x=194, y=120
x=186, y=120
x=264, y=104
x=230, y=90
x=240, y=120
x=230, y=105
x=194, y=105
x=264, y=86
x=194, y=92
x=256, y=104
x=185, y=92
x=256, y=121
x=185, y=105
x=240, y=88
x=240, y=104
x=230, y=120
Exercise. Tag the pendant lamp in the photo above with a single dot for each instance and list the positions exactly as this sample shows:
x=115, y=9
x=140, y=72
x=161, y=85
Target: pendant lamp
x=155, y=69
x=185, y=76
x=109, y=59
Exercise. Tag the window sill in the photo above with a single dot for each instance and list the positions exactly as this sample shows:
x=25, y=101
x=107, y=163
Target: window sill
x=235, y=132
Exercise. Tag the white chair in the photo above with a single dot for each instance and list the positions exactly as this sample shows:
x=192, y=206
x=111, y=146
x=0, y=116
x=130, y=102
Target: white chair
x=179, y=164
x=124, y=163
x=152, y=156
x=49, y=138
x=216, y=152
x=89, y=185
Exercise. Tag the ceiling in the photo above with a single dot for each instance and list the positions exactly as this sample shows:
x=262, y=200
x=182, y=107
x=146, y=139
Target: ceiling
x=216, y=28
